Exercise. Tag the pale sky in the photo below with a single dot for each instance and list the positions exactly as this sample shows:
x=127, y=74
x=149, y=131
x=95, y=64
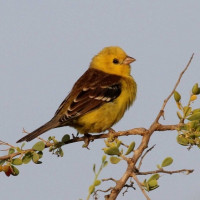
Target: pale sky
x=46, y=45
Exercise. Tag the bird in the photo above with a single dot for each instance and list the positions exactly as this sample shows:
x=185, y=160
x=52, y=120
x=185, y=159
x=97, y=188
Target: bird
x=99, y=98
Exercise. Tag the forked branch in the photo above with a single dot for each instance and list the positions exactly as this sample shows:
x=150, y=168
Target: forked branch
x=131, y=169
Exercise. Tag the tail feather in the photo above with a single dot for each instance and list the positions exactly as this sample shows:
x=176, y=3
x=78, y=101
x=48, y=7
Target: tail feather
x=49, y=125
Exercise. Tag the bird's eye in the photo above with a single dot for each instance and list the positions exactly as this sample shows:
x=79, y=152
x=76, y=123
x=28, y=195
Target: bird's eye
x=115, y=61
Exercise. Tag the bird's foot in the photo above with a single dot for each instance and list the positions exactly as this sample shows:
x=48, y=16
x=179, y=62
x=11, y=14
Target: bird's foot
x=87, y=139
x=111, y=133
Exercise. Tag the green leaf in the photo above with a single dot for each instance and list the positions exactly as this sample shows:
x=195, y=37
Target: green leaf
x=182, y=140
x=94, y=168
x=130, y=148
x=97, y=182
x=35, y=158
x=179, y=115
x=39, y=146
x=177, y=96
x=197, y=133
x=196, y=111
x=114, y=160
x=197, y=141
x=40, y=153
x=192, y=125
x=167, y=161
x=195, y=116
x=65, y=138
x=187, y=110
x=39, y=162
x=91, y=189
x=118, y=143
x=146, y=185
x=17, y=161
x=23, y=144
x=112, y=150
x=191, y=141
x=27, y=158
x=153, y=184
x=153, y=188
x=103, y=158
x=2, y=162
x=18, y=149
x=105, y=163
x=11, y=150
x=60, y=152
x=154, y=177
x=195, y=88
x=158, y=166
x=14, y=170
x=198, y=91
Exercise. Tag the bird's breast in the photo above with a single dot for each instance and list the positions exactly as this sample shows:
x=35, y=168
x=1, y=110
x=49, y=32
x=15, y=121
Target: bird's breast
x=109, y=113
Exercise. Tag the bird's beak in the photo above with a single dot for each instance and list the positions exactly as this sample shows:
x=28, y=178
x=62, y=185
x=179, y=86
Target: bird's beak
x=128, y=60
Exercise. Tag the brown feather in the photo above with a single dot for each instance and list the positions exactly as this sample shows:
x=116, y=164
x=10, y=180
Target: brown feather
x=93, y=89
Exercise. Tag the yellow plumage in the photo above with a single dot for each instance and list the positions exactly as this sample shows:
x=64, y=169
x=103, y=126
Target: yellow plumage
x=99, y=98
x=107, y=115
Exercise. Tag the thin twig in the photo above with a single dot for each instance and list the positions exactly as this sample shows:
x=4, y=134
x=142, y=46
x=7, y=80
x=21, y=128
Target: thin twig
x=131, y=170
x=187, y=171
x=161, y=113
x=109, y=179
x=135, y=131
x=6, y=144
x=128, y=186
x=95, y=195
x=104, y=190
x=144, y=143
x=147, y=151
x=177, y=83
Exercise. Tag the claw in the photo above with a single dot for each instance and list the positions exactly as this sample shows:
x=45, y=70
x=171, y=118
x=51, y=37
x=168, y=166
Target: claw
x=112, y=136
x=87, y=139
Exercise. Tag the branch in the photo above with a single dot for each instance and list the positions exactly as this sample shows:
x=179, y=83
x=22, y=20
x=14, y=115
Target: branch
x=146, y=134
x=140, y=186
x=6, y=157
x=187, y=171
x=155, y=126
x=95, y=192
x=109, y=179
x=147, y=151
x=128, y=186
x=135, y=131
x=161, y=113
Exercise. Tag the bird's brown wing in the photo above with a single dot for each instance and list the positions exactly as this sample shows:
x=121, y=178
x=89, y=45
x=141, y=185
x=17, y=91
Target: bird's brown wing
x=93, y=89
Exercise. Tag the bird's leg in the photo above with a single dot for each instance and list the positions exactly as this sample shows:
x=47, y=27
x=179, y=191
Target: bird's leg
x=87, y=139
x=111, y=136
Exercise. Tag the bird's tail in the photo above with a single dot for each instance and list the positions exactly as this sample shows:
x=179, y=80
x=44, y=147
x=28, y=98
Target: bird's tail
x=49, y=125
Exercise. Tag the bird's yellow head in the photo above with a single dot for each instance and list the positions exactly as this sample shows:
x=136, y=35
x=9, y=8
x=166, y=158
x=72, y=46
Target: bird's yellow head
x=112, y=60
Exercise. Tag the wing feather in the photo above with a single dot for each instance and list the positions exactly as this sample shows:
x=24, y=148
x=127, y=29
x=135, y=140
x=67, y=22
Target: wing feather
x=91, y=91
